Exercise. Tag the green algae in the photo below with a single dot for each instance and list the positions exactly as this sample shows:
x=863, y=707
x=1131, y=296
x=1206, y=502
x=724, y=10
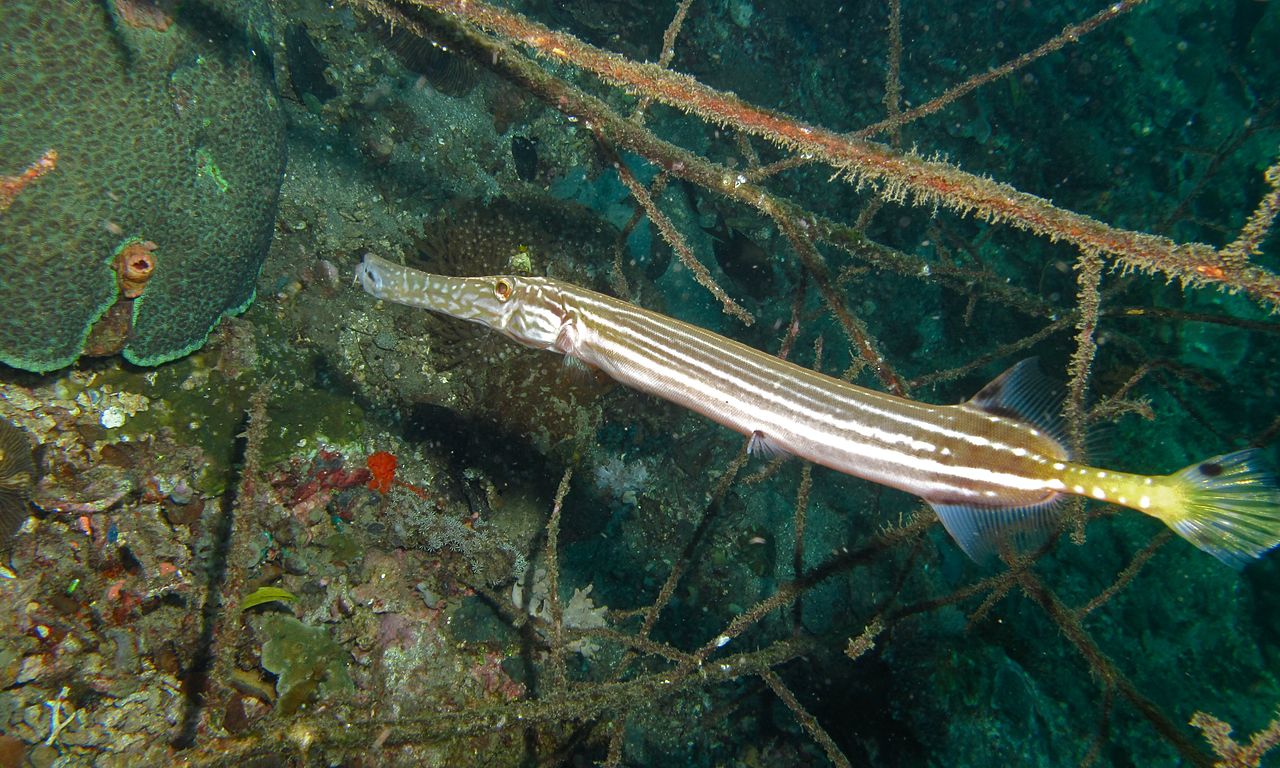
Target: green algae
x=266, y=595
x=309, y=665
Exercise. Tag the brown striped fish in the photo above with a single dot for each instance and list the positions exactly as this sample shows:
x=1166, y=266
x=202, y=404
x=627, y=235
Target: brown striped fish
x=993, y=467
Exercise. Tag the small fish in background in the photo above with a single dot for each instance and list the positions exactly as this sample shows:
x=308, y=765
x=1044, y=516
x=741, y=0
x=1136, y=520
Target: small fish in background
x=17, y=476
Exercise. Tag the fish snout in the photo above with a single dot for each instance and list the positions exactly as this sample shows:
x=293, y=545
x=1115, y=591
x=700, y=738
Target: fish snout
x=370, y=277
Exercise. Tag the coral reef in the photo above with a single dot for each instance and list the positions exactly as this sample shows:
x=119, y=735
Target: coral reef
x=168, y=133
x=17, y=476
x=334, y=535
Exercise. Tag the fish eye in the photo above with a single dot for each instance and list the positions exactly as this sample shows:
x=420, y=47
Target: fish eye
x=502, y=289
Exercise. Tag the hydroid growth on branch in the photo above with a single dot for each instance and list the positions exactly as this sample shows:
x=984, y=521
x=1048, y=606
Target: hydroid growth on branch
x=898, y=176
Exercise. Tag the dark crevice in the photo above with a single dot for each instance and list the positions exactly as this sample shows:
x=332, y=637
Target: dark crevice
x=195, y=677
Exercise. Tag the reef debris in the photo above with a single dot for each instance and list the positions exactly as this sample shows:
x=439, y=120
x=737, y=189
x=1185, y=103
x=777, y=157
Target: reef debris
x=10, y=186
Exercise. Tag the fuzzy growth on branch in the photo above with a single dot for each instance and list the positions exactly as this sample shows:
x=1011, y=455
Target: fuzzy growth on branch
x=897, y=175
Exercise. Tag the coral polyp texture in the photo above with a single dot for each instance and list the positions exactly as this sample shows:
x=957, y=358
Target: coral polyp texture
x=119, y=131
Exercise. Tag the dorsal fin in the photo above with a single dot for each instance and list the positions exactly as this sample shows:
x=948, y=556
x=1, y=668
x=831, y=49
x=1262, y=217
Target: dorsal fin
x=1025, y=394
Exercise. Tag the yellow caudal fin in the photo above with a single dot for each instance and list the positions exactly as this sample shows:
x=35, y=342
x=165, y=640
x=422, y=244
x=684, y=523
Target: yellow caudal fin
x=1228, y=506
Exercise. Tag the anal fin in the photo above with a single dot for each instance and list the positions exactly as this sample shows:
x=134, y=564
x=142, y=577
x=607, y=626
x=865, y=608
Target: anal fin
x=985, y=532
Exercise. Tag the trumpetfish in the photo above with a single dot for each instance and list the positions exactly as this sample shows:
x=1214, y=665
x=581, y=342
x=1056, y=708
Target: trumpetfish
x=994, y=467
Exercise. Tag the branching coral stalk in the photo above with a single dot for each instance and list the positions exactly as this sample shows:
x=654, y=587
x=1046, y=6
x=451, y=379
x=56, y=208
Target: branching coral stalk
x=678, y=244
x=242, y=527
x=668, y=588
x=1105, y=670
x=1089, y=278
x=806, y=720
x=1003, y=352
x=1089, y=300
x=893, y=72
x=233, y=550
x=1103, y=730
x=1234, y=755
x=896, y=119
x=897, y=175
x=787, y=592
x=668, y=51
x=865, y=642
x=1128, y=574
x=853, y=327
x=1068, y=36
x=798, y=527
x=673, y=29
x=551, y=561
x=1259, y=224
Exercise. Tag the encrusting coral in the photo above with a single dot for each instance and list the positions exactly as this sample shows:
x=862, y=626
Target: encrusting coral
x=116, y=133
x=17, y=475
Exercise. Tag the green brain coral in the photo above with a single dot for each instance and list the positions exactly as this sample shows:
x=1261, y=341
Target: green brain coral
x=166, y=130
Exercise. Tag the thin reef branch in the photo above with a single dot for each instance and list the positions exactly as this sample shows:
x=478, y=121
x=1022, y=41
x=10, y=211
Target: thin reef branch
x=806, y=720
x=897, y=175
x=854, y=328
x=1107, y=673
x=673, y=238
x=551, y=561
x=1258, y=226
x=1070, y=35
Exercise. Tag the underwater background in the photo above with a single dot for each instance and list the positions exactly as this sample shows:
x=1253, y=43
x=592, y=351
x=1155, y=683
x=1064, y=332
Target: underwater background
x=253, y=517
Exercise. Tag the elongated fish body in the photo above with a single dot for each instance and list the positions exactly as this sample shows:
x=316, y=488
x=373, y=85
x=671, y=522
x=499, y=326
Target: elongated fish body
x=992, y=467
